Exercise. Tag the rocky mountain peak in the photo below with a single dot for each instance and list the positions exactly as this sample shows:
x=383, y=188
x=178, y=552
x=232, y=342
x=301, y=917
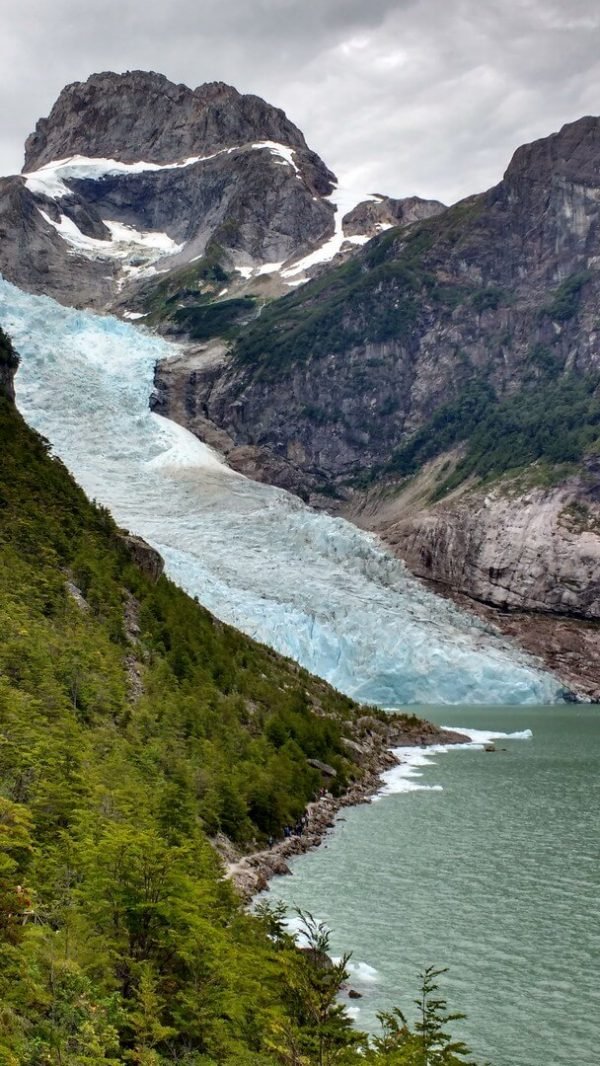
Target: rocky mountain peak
x=573, y=154
x=141, y=115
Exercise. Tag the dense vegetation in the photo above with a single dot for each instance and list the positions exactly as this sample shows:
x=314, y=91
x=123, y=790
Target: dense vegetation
x=345, y=307
x=556, y=421
x=132, y=726
x=187, y=299
x=213, y=318
x=565, y=300
x=8, y=359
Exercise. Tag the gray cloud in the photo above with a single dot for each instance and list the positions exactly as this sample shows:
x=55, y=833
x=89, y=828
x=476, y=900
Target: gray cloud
x=404, y=96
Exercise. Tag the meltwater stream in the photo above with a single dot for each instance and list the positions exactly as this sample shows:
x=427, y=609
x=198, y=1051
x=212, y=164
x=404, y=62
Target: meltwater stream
x=313, y=587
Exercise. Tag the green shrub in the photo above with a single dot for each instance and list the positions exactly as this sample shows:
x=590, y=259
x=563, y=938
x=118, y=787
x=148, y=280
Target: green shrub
x=565, y=301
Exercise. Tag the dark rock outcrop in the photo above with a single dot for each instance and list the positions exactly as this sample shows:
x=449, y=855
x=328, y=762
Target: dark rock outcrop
x=145, y=557
x=8, y=366
x=370, y=216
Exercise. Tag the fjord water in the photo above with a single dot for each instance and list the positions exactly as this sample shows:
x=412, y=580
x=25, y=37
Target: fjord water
x=492, y=868
x=313, y=587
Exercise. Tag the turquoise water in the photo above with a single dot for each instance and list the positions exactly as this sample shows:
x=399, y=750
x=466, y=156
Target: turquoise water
x=496, y=875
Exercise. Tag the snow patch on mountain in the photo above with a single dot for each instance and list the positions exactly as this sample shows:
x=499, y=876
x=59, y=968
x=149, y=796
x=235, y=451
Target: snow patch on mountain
x=285, y=154
x=137, y=250
x=50, y=180
x=344, y=199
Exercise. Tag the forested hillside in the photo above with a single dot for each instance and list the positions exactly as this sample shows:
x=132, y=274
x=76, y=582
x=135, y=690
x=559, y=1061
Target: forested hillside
x=133, y=726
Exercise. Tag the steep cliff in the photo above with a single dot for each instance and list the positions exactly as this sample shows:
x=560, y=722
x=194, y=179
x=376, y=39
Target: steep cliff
x=474, y=330
x=500, y=290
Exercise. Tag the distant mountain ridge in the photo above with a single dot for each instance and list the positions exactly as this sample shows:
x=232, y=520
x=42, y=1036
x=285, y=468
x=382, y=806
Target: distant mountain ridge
x=119, y=116
x=131, y=176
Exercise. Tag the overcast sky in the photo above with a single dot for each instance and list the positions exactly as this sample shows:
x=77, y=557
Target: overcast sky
x=425, y=97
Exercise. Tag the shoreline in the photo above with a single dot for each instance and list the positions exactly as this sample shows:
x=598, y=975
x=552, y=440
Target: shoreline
x=251, y=872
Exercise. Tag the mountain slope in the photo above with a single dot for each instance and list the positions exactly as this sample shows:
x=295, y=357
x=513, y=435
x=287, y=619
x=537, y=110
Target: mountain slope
x=470, y=336
x=130, y=169
x=132, y=724
x=499, y=290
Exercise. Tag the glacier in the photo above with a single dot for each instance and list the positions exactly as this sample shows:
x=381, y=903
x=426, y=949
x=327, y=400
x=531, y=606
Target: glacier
x=313, y=587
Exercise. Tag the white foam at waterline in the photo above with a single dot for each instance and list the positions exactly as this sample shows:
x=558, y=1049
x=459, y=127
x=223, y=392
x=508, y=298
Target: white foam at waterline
x=479, y=737
x=295, y=927
x=401, y=778
x=361, y=972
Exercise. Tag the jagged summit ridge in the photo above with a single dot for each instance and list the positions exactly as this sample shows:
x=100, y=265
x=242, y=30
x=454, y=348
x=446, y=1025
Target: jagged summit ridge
x=132, y=176
x=571, y=154
x=142, y=115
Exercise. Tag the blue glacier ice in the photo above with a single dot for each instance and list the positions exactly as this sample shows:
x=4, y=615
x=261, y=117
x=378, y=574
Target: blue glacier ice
x=312, y=587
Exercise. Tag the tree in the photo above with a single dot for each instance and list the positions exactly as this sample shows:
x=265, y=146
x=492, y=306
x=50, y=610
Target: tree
x=313, y=987
x=428, y=1044
x=438, y=1048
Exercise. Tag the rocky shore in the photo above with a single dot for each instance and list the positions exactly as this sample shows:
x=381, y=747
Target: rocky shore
x=252, y=872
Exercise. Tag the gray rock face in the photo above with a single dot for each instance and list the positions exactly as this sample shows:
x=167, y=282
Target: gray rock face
x=246, y=200
x=142, y=115
x=371, y=215
x=145, y=557
x=365, y=358
x=34, y=256
x=513, y=546
x=255, y=203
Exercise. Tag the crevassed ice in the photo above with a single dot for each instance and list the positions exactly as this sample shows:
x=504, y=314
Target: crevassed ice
x=313, y=587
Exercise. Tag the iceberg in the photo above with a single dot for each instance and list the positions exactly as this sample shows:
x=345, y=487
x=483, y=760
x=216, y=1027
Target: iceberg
x=313, y=587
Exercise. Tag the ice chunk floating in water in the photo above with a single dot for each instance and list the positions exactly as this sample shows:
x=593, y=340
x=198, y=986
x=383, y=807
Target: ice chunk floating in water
x=313, y=587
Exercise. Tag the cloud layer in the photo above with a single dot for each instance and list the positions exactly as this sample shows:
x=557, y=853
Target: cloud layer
x=413, y=96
